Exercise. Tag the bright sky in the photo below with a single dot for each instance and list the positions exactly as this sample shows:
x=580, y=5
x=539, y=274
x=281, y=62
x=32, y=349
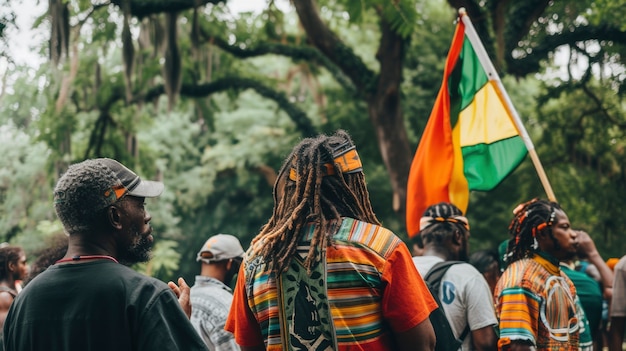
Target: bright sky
x=24, y=42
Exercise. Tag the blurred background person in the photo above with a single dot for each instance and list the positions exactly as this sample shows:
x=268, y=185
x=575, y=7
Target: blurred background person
x=13, y=270
x=617, y=323
x=488, y=264
x=593, y=280
x=220, y=258
x=44, y=258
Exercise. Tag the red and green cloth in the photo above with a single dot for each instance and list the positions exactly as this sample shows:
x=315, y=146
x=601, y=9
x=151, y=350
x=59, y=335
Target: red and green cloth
x=470, y=141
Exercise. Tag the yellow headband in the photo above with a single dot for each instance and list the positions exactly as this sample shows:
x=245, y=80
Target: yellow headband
x=348, y=161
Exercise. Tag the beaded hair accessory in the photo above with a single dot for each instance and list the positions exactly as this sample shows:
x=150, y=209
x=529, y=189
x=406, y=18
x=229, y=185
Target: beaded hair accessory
x=547, y=223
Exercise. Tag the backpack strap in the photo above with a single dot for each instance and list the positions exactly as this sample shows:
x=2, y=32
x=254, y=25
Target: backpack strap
x=464, y=333
x=434, y=276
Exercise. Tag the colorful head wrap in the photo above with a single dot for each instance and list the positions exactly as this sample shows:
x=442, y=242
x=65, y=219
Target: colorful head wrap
x=344, y=156
x=427, y=221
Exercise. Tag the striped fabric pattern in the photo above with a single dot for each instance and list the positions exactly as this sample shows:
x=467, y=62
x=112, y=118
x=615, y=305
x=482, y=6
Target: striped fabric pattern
x=265, y=300
x=522, y=308
x=537, y=302
x=355, y=287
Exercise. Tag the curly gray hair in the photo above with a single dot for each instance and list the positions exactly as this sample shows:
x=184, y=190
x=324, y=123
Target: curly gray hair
x=79, y=195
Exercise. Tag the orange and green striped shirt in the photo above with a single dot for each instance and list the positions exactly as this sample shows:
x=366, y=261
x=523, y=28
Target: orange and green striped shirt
x=371, y=287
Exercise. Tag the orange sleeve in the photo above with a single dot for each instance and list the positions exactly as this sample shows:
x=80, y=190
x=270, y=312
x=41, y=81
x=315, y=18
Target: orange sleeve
x=406, y=300
x=241, y=321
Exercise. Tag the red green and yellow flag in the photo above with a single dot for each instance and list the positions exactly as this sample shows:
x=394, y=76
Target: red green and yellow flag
x=470, y=141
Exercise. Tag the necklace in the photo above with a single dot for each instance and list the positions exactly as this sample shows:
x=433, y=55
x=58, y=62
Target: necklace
x=87, y=257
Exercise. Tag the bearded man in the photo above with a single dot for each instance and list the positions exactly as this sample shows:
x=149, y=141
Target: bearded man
x=89, y=300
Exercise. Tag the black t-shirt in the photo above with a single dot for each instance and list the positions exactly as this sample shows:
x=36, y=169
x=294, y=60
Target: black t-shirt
x=97, y=305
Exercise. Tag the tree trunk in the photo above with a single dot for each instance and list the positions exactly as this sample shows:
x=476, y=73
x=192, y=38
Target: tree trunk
x=386, y=115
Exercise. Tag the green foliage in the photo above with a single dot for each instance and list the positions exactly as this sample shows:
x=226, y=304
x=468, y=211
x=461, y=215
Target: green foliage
x=164, y=262
x=24, y=187
x=585, y=146
x=213, y=178
x=608, y=11
x=23, y=103
x=401, y=15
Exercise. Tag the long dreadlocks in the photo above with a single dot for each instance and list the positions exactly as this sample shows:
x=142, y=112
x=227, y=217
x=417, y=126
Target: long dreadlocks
x=313, y=186
x=530, y=218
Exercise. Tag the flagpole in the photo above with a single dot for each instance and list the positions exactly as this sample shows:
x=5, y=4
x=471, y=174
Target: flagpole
x=492, y=74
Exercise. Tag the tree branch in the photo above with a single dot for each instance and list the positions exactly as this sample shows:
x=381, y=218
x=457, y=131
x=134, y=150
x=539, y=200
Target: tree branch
x=530, y=63
x=144, y=8
x=305, y=53
x=299, y=117
x=600, y=107
x=332, y=47
x=522, y=15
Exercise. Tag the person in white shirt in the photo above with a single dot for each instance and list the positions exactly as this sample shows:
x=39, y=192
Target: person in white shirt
x=464, y=292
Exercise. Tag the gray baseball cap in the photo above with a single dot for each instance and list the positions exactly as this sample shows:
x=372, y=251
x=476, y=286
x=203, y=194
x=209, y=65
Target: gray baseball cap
x=130, y=182
x=220, y=247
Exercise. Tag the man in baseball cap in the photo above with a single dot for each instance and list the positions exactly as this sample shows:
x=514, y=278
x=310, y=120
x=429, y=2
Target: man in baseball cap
x=88, y=295
x=220, y=247
x=211, y=297
x=87, y=188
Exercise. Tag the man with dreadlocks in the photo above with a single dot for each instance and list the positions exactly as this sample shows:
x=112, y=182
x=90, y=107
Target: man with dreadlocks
x=464, y=293
x=323, y=274
x=535, y=300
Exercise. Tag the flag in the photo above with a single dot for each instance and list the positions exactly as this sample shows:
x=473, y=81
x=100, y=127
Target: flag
x=470, y=141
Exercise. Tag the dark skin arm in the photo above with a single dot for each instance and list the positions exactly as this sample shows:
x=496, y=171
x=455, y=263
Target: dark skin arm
x=587, y=248
x=616, y=333
x=485, y=339
x=420, y=338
